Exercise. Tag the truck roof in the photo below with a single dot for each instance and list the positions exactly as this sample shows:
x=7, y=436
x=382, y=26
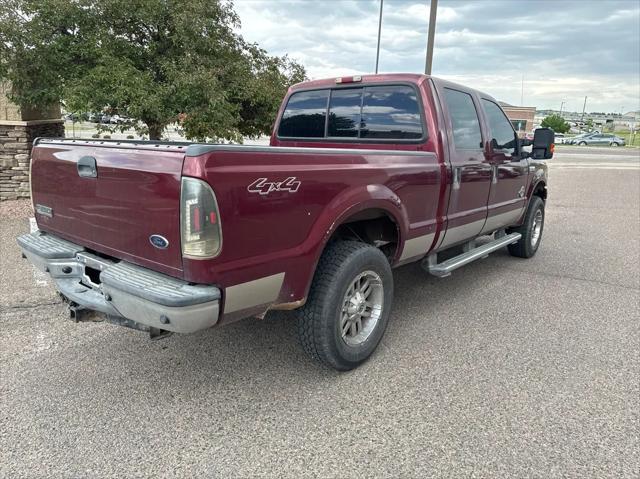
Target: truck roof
x=415, y=78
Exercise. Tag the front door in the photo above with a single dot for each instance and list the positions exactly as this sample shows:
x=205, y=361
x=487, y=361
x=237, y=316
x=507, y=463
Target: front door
x=509, y=172
x=470, y=171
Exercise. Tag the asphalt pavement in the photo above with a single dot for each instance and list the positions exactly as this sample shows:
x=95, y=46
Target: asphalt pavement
x=508, y=368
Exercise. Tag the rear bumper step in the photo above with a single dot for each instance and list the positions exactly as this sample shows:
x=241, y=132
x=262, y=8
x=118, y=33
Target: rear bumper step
x=446, y=267
x=124, y=290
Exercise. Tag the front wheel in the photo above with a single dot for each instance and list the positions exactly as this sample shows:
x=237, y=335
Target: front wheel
x=348, y=307
x=615, y=143
x=531, y=230
x=582, y=143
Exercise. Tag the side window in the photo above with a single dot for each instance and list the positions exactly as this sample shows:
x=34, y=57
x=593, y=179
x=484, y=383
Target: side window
x=390, y=112
x=501, y=129
x=344, y=112
x=304, y=115
x=464, y=120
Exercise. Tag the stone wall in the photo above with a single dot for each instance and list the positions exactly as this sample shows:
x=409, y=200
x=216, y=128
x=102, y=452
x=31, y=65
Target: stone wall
x=16, y=141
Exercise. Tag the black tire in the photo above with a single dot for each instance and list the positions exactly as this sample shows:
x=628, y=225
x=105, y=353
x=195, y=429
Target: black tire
x=615, y=143
x=319, y=321
x=527, y=247
x=582, y=143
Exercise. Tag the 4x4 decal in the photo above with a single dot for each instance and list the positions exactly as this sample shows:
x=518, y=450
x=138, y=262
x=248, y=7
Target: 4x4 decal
x=264, y=187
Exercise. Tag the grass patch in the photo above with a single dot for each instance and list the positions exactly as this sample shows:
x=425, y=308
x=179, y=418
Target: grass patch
x=631, y=140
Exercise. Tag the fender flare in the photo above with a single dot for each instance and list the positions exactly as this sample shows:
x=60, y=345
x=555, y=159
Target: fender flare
x=347, y=204
x=363, y=198
x=534, y=185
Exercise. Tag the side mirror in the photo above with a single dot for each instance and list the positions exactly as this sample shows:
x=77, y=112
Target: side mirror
x=543, y=144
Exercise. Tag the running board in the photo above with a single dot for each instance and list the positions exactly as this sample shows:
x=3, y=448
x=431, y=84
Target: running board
x=446, y=267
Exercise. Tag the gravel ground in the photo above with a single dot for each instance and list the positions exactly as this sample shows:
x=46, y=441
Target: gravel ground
x=508, y=368
x=15, y=209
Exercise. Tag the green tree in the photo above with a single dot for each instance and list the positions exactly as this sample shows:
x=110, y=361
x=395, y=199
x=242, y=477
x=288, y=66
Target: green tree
x=156, y=61
x=556, y=123
x=589, y=124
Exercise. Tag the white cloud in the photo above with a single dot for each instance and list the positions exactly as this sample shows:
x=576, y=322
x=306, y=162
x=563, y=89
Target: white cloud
x=566, y=50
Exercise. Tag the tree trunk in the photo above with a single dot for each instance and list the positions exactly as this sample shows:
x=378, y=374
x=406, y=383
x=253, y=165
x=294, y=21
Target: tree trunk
x=155, y=131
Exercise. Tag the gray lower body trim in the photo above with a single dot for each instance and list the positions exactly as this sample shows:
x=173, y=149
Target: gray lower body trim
x=416, y=247
x=253, y=293
x=501, y=220
x=459, y=234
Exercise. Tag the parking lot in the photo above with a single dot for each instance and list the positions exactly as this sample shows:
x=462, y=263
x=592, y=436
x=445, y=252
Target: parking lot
x=508, y=368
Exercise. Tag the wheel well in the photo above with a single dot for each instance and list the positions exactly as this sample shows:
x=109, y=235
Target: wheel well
x=541, y=191
x=374, y=226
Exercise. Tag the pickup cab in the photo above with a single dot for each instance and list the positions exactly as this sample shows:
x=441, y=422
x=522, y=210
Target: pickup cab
x=363, y=174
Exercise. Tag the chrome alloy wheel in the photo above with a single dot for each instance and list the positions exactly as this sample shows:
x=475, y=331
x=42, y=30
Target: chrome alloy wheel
x=536, y=229
x=361, y=308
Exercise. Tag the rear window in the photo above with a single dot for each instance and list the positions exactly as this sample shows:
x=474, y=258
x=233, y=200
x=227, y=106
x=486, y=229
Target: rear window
x=370, y=113
x=305, y=115
x=344, y=113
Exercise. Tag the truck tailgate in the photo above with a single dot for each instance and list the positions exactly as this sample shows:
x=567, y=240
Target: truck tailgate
x=135, y=194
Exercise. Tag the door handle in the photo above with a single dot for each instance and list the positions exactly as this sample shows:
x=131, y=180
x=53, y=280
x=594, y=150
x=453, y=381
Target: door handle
x=457, y=177
x=87, y=167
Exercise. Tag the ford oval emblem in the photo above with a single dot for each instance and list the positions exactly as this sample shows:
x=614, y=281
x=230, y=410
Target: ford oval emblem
x=158, y=241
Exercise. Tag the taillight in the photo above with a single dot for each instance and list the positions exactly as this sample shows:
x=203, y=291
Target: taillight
x=199, y=220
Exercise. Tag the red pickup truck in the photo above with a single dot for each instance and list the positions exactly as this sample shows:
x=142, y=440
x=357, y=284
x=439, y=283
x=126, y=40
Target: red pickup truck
x=363, y=174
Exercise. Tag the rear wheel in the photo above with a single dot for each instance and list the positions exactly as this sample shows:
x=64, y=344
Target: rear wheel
x=531, y=230
x=348, y=306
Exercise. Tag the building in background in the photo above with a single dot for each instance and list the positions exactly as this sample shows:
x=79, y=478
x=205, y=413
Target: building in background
x=18, y=128
x=521, y=117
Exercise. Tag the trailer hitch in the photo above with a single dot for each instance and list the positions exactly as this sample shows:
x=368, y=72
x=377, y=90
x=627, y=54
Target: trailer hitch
x=79, y=314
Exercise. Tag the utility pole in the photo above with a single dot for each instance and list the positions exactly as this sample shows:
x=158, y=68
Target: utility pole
x=379, y=32
x=583, y=108
x=561, y=105
x=431, y=36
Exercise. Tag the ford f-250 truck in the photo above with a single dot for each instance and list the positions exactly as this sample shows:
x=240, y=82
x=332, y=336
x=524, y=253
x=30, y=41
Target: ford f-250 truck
x=363, y=174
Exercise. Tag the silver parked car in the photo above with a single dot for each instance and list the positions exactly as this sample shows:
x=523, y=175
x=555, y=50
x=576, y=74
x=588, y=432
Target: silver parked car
x=598, y=139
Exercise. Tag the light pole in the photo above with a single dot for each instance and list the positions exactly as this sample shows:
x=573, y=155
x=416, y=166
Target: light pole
x=431, y=36
x=584, y=105
x=561, y=105
x=379, y=32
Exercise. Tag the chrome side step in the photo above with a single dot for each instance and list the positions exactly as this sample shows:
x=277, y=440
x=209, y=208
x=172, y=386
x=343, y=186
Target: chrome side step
x=470, y=254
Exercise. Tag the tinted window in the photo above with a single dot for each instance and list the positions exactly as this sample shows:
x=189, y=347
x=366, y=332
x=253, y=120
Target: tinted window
x=501, y=129
x=344, y=112
x=390, y=112
x=464, y=120
x=304, y=115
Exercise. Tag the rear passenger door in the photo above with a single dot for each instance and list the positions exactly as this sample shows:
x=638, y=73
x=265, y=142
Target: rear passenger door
x=470, y=171
x=605, y=139
x=509, y=172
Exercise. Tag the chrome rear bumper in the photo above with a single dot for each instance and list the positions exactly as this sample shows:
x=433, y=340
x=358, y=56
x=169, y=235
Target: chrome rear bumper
x=121, y=289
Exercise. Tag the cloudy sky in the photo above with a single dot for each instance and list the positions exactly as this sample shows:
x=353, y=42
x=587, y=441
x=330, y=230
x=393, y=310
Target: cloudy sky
x=564, y=49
